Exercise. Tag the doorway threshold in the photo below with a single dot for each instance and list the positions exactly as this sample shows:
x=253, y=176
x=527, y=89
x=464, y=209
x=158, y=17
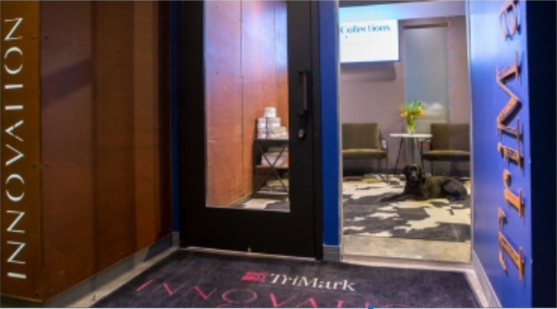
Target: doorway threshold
x=414, y=249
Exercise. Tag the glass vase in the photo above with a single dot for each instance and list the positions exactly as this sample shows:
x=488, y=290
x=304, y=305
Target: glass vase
x=410, y=124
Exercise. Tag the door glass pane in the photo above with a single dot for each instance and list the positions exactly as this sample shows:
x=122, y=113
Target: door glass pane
x=246, y=105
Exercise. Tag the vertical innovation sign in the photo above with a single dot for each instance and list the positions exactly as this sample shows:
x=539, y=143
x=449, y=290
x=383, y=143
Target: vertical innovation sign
x=373, y=41
x=21, y=251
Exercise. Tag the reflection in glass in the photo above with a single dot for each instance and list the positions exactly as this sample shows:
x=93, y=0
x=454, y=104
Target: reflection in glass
x=246, y=105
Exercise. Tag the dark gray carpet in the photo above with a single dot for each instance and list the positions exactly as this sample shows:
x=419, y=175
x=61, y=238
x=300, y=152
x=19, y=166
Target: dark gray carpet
x=188, y=279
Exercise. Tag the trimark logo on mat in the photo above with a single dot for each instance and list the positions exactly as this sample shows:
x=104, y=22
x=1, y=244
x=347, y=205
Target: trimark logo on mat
x=254, y=277
x=300, y=281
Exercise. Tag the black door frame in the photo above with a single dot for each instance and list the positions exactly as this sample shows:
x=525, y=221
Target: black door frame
x=190, y=78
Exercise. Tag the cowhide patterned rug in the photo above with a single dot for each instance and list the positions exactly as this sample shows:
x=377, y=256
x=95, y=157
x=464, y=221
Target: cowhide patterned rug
x=434, y=219
x=364, y=214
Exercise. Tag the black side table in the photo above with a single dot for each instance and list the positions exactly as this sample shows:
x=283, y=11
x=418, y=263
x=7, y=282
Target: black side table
x=260, y=145
x=412, y=137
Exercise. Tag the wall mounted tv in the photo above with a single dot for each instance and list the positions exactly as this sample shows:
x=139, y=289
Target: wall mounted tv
x=373, y=41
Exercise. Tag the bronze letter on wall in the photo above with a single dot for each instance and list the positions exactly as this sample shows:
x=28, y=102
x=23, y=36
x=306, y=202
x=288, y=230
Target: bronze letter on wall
x=20, y=159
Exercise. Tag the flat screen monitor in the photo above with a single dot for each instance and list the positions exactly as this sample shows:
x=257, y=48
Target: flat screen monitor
x=373, y=41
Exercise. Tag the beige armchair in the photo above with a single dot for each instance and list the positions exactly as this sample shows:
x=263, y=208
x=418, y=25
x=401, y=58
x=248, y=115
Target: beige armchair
x=449, y=142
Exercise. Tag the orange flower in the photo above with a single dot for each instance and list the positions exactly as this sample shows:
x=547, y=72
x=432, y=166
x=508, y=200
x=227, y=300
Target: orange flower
x=411, y=109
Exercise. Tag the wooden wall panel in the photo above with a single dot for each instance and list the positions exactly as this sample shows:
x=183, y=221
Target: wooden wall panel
x=151, y=125
x=223, y=102
x=20, y=183
x=105, y=135
x=246, y=71
x=258, y=66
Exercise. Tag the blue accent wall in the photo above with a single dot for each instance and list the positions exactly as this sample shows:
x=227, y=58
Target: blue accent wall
x=328, y=17
x=488, y=49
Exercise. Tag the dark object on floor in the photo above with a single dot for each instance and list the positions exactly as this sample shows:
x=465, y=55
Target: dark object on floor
x=420, y=186
x=193, y=279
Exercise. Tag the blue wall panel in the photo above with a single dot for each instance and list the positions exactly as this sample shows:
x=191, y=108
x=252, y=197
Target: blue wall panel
x=329, y=122
x=488, y=50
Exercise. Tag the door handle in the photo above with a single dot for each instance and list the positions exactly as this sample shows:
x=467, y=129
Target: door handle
x=306, y=92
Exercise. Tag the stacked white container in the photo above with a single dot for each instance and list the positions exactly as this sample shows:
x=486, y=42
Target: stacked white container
x=268, y=126
x=269, y=112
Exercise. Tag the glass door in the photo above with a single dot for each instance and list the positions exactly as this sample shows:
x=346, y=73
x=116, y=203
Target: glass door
x=246, y=126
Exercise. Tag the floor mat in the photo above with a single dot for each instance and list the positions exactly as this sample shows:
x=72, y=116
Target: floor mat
x=434, y=219
x=194, y=279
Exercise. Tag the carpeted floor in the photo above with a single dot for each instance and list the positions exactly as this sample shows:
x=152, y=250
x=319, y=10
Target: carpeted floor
x=193, y=279
x=434, y=219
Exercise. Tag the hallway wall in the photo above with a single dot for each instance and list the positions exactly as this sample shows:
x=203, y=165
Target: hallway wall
x=106, y=134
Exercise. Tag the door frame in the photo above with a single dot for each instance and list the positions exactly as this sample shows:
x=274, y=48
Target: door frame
x=190, y=44
x=473, y=259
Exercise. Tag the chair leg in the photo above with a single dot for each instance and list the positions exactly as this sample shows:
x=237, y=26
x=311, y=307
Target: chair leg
x=431, y=167
x=382, y=169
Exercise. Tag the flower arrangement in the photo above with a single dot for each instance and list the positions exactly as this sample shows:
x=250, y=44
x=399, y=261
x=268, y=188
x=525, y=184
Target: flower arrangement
x=411, y=111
